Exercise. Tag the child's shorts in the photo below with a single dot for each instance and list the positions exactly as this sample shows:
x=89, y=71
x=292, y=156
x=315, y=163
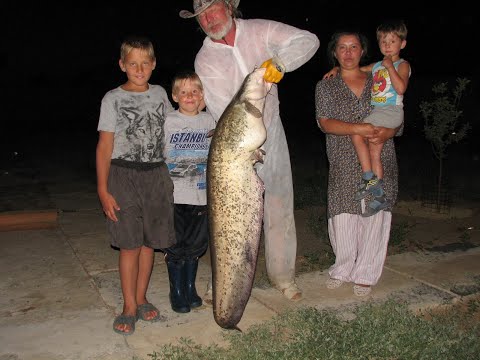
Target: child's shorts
x=390, y=116
x=145, y=198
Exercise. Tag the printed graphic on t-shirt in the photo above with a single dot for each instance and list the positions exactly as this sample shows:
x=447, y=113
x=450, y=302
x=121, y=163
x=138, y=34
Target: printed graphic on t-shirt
x=187, y=156
x=381, y=87
x=383, y=92
x=143, y=125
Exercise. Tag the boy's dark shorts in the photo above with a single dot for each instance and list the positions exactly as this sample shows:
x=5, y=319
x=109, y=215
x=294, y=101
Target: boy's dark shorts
x=145, y=198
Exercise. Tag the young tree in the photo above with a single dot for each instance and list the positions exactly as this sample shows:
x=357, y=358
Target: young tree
x=442, y=122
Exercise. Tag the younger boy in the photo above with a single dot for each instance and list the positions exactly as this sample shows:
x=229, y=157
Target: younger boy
x=187, y=145
x=390, y=81
x=133, y=184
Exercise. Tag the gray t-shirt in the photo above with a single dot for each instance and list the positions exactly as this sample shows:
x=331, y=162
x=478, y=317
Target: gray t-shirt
x=137, y=119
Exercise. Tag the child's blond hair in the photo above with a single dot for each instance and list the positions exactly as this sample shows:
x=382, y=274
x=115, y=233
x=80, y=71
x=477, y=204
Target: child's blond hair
x=136, y=42
x=182, y=76
x=396, y=27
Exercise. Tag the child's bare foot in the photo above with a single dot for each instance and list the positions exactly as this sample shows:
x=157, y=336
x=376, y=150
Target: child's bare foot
x=124, y=324
x=148, y=312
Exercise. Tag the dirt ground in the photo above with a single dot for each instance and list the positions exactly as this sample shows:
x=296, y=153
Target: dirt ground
x=414, y=228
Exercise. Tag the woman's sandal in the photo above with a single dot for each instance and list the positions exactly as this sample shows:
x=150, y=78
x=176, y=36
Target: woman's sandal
x=122, y=319
x=333, y=283
x=362, y=290
x=143, y=309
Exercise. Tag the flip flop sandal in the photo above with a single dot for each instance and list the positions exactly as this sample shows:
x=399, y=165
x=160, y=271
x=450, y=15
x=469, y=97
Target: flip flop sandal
x=143, y=309
x=122, y=319
x=362, y=290
x=333, y=283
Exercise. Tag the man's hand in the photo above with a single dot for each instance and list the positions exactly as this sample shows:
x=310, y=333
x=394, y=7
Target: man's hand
x=274, y=70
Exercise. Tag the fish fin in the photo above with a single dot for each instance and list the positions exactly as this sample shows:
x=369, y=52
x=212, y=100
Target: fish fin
x=257, y=156
x=210, y=133
x=253, y=110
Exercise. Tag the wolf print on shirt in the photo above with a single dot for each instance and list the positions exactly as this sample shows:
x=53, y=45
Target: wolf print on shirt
x=144, y=132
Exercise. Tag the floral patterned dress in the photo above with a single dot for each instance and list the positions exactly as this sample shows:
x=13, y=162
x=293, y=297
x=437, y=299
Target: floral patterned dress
x=334, y=100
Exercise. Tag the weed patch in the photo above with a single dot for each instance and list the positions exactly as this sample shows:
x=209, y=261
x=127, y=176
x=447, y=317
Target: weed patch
x=376, y=331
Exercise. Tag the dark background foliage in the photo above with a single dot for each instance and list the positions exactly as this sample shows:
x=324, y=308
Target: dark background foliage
x=62, y=59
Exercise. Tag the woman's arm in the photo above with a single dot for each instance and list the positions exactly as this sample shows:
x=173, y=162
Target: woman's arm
x=336, y=69
x=339, y=127
x=367, y=68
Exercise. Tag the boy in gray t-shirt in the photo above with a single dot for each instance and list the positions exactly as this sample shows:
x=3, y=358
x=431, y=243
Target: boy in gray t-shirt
x=133, y=183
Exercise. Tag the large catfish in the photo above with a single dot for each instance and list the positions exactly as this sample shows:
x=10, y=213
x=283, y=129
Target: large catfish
x=235, y=199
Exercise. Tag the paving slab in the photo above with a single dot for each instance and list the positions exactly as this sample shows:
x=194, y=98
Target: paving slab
x=50, y=307
x=80, y=223
x=60, y=292
x=447, y=271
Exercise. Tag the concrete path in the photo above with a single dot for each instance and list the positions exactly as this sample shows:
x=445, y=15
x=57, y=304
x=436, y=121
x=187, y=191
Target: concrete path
x=60, y=291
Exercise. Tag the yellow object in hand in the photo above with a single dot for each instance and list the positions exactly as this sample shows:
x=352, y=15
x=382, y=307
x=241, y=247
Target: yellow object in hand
x=274, y=72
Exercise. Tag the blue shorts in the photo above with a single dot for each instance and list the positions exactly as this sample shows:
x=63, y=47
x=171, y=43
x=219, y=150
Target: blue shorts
x=145, y=198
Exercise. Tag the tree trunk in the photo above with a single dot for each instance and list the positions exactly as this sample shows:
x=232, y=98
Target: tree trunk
x=439, y=188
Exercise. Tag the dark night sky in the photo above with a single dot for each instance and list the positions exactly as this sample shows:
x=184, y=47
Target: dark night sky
x=63, y=59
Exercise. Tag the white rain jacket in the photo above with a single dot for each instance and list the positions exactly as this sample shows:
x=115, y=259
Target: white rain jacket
x=222, y=69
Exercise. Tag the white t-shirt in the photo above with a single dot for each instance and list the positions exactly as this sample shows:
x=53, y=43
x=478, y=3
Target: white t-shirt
x=186, y=154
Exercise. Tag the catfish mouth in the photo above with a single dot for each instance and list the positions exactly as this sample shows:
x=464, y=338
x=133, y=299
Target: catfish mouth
x=254, y=92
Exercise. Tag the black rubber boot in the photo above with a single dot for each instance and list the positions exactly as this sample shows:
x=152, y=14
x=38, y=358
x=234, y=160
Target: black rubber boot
x=191, y=266
x=176, y=275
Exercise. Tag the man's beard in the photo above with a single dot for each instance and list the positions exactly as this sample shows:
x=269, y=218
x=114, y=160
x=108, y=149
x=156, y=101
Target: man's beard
x=220, y=34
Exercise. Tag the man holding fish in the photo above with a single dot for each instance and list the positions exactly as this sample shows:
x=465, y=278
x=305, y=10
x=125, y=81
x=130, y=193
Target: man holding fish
x=232, y=49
